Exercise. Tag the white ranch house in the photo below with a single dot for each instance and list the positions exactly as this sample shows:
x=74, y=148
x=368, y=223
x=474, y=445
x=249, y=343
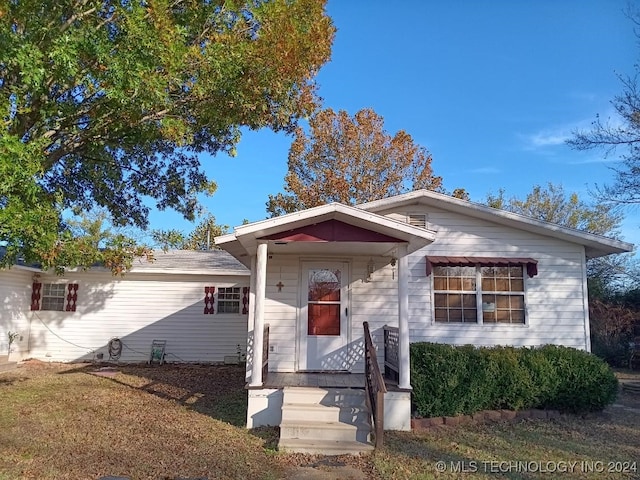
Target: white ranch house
x=294, y=292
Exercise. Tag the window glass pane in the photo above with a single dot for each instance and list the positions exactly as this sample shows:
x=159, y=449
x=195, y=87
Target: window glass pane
x=488, y=284
x=502, y=271
x=489, y=317
x=225, y=306
x=455, y=284
x=469, y=301
x=441, y=315
x=53, y=296
x=502, y=285
x=454, y=307
x=502, y=301
x=440, y=271
x=487, y=272
x=470, y=316
x=324, y=285
x=469, y=284
x=468, y=271
x=228, y=300
x=517, y=302
x=455, y=300
x=439, y=283
x=53, y=303
x=324, y=319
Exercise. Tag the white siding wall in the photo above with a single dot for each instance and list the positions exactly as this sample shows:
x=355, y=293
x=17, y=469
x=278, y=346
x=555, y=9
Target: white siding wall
x=556, y=307
x=281, y=309
x=137, y=308
x=555, y=300
x=374, y=301
x=15, y=300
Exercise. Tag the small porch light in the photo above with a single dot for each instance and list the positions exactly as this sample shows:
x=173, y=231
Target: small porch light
x=371, y=267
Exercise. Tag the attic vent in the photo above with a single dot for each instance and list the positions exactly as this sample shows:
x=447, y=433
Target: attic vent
x=417, y=220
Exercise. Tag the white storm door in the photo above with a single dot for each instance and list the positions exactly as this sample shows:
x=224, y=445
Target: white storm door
x=323, y=316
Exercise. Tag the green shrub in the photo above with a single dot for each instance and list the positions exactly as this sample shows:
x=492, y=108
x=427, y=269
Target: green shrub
x=449, y=380
x=585, y=383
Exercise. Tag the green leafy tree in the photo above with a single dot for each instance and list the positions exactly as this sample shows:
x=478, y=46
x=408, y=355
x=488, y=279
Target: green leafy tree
x=350, y=160
x=109, y=102
x=91, y=238
x=201, y=238
x=552, y=204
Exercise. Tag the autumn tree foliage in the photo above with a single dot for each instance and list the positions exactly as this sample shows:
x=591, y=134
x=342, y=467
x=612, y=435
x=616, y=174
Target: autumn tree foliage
x=110, y=103
x=350, y=160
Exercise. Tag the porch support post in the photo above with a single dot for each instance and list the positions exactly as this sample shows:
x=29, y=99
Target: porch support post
x=403, y=318
x=258, y=319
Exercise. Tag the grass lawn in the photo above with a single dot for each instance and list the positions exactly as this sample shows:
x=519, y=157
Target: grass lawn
x=65, y=422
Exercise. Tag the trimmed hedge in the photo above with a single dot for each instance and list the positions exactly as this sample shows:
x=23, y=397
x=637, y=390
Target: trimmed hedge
x=453, y=380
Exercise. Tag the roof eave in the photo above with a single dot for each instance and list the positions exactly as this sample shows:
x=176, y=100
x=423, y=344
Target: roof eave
x=243, y=242
x=595, y=245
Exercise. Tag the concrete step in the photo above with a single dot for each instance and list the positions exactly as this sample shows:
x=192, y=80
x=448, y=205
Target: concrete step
x=325, y=396
x=8, y=366
x=631, y=387
x=324, y=447
x=315, y=430
x=329, y=421
x=292, y=412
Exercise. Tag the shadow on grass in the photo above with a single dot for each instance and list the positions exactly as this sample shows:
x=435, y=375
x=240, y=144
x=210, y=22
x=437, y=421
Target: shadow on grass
x=213, y=390
x=269, y=435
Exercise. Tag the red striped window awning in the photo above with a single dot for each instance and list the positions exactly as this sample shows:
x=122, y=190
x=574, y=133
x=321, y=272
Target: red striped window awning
x=530, y=263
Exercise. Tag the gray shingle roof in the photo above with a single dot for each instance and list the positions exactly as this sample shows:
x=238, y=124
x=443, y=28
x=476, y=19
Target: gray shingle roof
x=191, y=260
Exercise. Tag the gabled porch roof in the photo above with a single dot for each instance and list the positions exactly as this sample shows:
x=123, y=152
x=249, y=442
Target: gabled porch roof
x=332, y=229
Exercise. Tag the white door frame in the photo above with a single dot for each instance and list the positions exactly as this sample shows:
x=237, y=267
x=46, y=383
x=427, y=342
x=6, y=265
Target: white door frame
x=343, y=340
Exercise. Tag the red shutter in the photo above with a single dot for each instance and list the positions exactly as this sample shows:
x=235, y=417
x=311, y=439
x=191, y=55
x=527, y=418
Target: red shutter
x=209, y=300
x=36, y=290
x=72, y=297
x=245, y=300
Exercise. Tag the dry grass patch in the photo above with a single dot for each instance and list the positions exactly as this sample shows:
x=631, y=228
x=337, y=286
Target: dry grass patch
x=608, y=441
x=64, y=422
x=61, y=422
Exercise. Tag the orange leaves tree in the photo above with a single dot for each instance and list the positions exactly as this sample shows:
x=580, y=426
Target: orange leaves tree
x=350, y=160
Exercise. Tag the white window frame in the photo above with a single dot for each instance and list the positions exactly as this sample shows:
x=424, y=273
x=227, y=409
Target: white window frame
x=46, y=294
x=479, y=292
x=230, y=296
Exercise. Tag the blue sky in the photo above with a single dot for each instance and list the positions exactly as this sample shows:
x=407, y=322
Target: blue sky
x=491, y=88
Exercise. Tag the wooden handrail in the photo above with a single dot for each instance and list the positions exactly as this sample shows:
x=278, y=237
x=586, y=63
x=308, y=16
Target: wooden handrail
x=265, y=352
x=374, y=386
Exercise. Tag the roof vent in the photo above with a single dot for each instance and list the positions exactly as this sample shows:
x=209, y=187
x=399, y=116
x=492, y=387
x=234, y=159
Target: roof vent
x=417, y=220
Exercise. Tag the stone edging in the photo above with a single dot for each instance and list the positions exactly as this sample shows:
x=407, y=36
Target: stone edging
x=484, y=416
